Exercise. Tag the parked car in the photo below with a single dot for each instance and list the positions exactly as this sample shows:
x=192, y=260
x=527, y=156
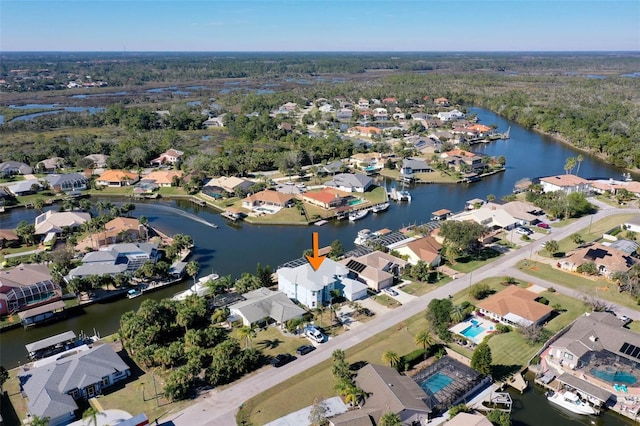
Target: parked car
x=281, y=359
x=543, y=225
x=625, y=319
x=305, y=349
x=524, y=231
x=390, y=291
x=314, y=334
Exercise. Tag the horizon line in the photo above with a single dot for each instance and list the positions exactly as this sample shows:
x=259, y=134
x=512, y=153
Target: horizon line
x=320, y=51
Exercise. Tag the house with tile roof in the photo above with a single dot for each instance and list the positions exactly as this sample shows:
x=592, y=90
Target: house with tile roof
x=425, y=249
x=53, y=388
x=98, y=160
x=170, y=156
x=118, y=230
x=607, y=259
x=52, y=221
x=268, y=198
x=377, y=270
x=327, y=198
x=366, y=131
x=313, y=288
x=515, y=306
x=229, y=184
x=350, y=182
x=565, y=183
x=441, y=102
x=163, y=178
x=520, y=210
x=117, y=178
x=264, y=305
x=368, y=160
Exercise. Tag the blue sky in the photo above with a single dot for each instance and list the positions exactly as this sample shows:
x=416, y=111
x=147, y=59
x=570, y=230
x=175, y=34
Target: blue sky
x=319, y=25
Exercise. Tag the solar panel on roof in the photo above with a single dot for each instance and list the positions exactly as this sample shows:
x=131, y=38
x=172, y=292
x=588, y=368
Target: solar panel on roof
x=630, y=349
x=636, y=352
x=354, y=265
x=624, y=347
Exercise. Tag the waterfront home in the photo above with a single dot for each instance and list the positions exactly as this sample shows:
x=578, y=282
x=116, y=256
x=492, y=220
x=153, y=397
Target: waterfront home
x=442, y=214
x=327, y=198
x=460, y=159
x=52, y=221
x=52, y=388
x=117, y=178
x=264, y=305
x=367, y=161
x=387, y=391
x=515, y=306
x=170, y=156
x=380, y=114
x=116, y=259
x=377, y=270
x=414, y=165
x=162, y=178
x=468, y=419
x=601, y=186
x=228, y=184
x=474, y=203
x=268, y=201
x=25, y=187
x=450, y=115
x=67, y=182
x=8, y=168
x=27, y=286
x=525, y=213
x=118, y=230
x=608, y=260
x=50, y=165
x=425, y=249
x=8, y=238
x=565, y=183
x=492, y=218
x=97, y=160
x=350, y=182
x=313, y=288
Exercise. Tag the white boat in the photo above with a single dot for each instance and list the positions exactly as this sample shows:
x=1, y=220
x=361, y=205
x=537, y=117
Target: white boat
x=200, y=288
x=405, y=195
x=133, y=293
x=357, y=215
x=378, y=208
x=571, y=402
x=363, y=236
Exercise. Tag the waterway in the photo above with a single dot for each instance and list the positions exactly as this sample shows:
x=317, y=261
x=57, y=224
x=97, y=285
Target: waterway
x=237, y=248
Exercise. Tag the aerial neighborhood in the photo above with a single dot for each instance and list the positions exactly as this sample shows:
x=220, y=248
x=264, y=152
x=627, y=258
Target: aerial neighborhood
x=426, y=323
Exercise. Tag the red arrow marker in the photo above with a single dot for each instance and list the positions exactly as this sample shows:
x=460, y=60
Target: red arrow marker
x=315, y=260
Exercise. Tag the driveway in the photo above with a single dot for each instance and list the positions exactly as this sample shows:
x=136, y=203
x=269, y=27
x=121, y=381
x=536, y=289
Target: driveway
x=219, y=407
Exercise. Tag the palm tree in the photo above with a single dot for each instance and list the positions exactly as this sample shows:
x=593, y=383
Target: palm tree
x=246, y=333
x=552, y=247
x=390, y=419
x=579, y=159
x=458, y=313
x=192, y=270
x=38, y=204
x=91, y=415
x=424, y=339
x=39, y=421
x=391, y=358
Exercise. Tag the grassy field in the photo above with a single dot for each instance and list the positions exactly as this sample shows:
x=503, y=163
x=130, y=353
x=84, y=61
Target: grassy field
x=387, y=301
x=420, y=288
x=600, y=287
x=467, y=264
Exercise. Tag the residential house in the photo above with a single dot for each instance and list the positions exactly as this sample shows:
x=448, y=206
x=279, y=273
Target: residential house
x=98, y=160
x=9, y=168
x=565, y=183
x=263, y=305
x=287, y=108
x=441, y=214
x=608, y=260
x=591, y=354
x=348, y=182
x=367, y=161
x=313, y=288
x=117, y=178
x=425, y=249
x=268, y=198
x=67, y=182
x=363, y=103
x=633, y=224
x=366, y=131
x=460, y=159
x=492, y=218
x=468, y=419
x=377, y=270
x=344, y=114
x=474, y=203
x=229, y=184
x=388, y=391
x=8, y=238
x=327, y=198
x=327, y=108
x=170, y=156
x=25, y=187
x=120, y=229
x=414, y=165
x=214, y=121
x=445, y=116
x=52, y=389
x=601, y=186
x=333, y=167
x=390, y=101
x=51, y=165
x=116, y=259
x=443, y=102
x=380, y=114
x=515, y=306
x=522, y=211
x=51, y=221
x=27, y=286
x=162, y=178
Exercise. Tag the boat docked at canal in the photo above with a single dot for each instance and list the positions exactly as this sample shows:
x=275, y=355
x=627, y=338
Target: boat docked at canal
x=363, y=236
x=379, y=208
x=200, y=288
x=358, y=214
x=572, y=402
x=134, y=292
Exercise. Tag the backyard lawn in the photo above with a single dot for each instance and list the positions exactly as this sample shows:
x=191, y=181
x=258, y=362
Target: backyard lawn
x=467, y=264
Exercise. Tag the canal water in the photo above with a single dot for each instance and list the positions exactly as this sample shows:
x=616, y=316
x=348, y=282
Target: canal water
x=237, y=248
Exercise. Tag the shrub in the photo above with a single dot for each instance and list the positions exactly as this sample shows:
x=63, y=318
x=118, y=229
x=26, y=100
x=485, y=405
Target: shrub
x=551, y=290
x=480, y=291
x=543, y=301
x=502, y=328
x=412, y=358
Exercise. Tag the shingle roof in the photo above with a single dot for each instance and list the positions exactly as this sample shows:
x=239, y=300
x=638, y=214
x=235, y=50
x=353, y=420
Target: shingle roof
x=263, y=303
x=51, y=221
x=356, y=180
x=517, y=301
x=564, y=180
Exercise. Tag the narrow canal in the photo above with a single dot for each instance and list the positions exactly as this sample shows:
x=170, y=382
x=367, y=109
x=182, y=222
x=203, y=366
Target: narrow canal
x=234, y=249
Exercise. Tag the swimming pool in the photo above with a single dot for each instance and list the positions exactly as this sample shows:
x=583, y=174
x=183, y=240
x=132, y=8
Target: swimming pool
x=436, y=383
x=615, y=376
x=472, y=331
x=355, y=202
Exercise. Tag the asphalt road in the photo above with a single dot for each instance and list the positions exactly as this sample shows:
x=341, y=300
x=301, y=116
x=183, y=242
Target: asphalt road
x=219, y=407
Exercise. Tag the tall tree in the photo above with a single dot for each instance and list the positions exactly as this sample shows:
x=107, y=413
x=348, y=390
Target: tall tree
x=246, y=333
x=481, y=359
x=318, y=413
x=391, y=358
x=192, y=270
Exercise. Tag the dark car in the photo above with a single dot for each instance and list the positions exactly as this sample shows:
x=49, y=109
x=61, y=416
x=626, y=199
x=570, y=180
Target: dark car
x=282, y=359
x=543, y=225
x=305, y=349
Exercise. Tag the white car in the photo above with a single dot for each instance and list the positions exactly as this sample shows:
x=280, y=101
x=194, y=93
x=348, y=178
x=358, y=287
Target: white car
x=390, y=291
x=314, y=334
x=524, y=231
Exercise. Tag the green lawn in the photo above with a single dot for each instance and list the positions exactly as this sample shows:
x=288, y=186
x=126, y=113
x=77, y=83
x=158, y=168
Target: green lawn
x=599, y=287
x=420, y=288
x=467, y=264
x=387, y=301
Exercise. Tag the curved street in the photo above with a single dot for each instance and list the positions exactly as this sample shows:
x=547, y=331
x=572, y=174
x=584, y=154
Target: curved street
x=219, y=407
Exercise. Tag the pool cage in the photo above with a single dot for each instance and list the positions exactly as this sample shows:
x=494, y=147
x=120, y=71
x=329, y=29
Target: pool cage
x=20, y=297
x=610, y=367
x=464, y=381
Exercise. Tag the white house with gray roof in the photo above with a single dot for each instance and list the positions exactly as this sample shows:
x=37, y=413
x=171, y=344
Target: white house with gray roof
x=53, y=388
x=51, y=221
x=262, y=304
x=313, y=288
x=66, y=182
x=349, y=182
x=116, y=259
x=24, y=187
x=414, y=165
x=9, y=168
